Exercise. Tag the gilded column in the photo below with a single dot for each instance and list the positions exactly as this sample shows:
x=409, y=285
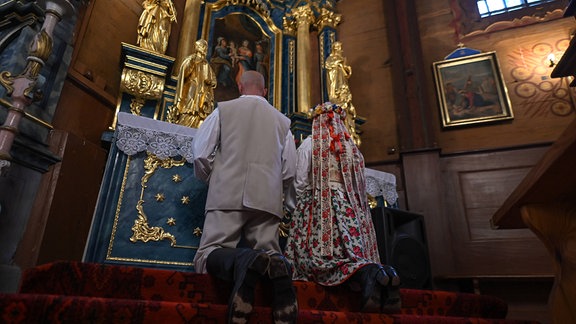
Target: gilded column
x=304, y=18
x=326, y=24
x=289, y=66
x=188, y=33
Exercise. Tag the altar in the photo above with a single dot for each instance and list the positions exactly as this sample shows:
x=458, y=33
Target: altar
x=151, y=207
x=150, y=210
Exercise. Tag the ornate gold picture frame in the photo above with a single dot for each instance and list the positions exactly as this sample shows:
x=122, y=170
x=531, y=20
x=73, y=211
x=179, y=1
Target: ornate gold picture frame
x=252, y=28
x=471, y=90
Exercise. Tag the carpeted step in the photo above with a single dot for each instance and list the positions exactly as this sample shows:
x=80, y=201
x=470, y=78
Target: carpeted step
x=38, y=308
x=134, y=283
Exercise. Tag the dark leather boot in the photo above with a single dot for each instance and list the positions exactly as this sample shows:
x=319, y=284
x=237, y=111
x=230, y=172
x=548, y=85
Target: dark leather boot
x=285, y=303
x=244, y=267
x=390, y=296
x=379, y=286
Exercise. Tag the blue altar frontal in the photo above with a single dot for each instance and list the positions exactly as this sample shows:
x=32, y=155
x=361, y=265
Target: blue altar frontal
x=151, y=207
x=150, y=211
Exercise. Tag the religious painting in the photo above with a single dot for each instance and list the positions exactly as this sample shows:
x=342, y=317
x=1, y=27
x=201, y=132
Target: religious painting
x=239, y=44
x=471, y=90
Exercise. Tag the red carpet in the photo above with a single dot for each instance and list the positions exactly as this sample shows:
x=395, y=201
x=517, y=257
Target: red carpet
x=74, y=292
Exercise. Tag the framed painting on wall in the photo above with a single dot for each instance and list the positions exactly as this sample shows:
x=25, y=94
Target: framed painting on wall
x=471, y=90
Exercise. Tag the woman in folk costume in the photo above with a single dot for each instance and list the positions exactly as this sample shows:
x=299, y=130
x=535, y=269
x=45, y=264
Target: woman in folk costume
x=332, y=238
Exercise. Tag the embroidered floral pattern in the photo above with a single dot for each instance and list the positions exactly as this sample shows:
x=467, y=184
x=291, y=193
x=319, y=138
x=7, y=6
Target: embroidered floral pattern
x=353, y=242
x=332, y=234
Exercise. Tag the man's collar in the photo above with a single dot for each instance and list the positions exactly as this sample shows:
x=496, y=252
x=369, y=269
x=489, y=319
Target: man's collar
x=253, y=96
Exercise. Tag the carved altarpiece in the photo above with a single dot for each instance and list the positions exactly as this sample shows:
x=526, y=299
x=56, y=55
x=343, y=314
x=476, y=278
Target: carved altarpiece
x=150, y=209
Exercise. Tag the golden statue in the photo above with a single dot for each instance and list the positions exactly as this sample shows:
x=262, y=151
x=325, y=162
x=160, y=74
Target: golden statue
x=338, y=73
x=155, y=25
x=194, y=99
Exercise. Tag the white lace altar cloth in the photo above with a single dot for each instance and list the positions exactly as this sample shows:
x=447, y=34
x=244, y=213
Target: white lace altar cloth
x=379, y=183
x=138, y=134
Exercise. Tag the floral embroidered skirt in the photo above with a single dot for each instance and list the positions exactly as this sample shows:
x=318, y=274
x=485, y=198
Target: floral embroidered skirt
x=353, y=241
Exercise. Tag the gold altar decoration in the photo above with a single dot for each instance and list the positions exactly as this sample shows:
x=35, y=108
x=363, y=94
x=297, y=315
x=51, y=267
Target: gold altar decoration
x=289, y=26
x=142, y=86
x=194, y=90
x=304, y=19
x=257, y=5
x=328, y=18
x=338, y=72
x=284, y=229
x=142, y=231
x=155, y=25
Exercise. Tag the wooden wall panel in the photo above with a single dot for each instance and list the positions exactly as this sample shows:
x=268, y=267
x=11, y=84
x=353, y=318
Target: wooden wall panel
x=542, y=106
x=474, y=187
x=423, y=185
x=63, y=208
x=73, y=201
x=77, y=107
x=482, y=193
x=97, y=52
x=364, y=39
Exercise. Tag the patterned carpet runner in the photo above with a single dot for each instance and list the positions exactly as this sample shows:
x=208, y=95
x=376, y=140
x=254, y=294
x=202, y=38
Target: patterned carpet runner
x=75, y=292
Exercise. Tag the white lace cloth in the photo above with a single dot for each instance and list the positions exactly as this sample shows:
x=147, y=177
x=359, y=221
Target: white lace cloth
x=137, y=134
x=379, y=183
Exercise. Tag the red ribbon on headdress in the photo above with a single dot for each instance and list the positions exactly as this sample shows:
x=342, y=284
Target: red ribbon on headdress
x=335, y=136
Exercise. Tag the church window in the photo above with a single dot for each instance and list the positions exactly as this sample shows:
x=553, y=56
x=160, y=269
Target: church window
x=488, y=8
x=473, y=17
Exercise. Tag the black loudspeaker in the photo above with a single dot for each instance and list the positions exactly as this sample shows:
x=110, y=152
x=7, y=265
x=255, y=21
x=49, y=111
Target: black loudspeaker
x=402, y=244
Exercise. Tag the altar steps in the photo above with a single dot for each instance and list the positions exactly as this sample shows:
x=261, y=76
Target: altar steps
x=75, y=292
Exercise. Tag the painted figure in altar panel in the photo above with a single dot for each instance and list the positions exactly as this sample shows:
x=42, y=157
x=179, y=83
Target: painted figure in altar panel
x=261, y=59
x=195, y=89
x=240, y=45
x=338, y=72
x=245, y=55
x=222, y=61
x=155, y=25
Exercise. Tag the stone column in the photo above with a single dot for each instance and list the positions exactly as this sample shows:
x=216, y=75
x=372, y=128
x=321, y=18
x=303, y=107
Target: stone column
x=304, y=18
x=188, y=32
